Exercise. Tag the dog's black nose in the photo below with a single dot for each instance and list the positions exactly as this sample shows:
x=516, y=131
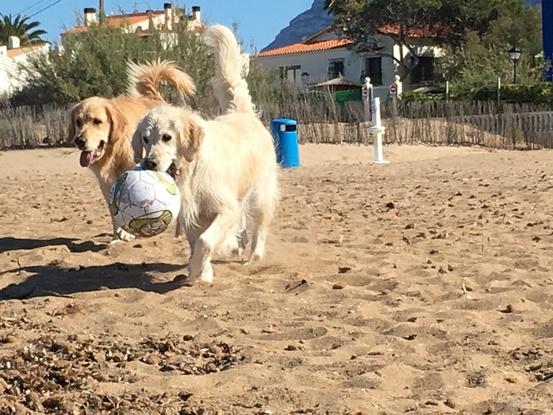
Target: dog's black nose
x=149, y=164
x=80, y=142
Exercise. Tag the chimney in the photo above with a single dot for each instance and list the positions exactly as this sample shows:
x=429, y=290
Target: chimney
x=168, y=9
x=3, y=50
x=196, y=15
x=151, y=22
x=89, y=16
x=13, y=42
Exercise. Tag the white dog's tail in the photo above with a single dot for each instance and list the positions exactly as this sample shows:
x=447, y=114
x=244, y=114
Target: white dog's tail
x=229, y=85
x=145, y=80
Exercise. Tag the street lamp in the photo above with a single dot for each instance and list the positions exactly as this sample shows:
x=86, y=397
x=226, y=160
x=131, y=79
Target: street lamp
x=514, y=54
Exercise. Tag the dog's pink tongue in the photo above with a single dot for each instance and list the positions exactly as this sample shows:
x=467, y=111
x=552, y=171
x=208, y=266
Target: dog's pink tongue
x=86, y=158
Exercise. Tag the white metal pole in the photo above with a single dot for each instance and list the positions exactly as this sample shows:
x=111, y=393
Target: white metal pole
x=377, y=131
x=367, y=99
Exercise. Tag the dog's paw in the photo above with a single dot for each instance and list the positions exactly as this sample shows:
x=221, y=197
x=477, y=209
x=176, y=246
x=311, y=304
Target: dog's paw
x=204, y=275
x=253, y=259
x=123, y=235
x=207, y=275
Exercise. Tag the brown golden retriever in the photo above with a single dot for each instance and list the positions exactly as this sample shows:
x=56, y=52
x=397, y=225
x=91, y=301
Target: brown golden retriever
x=102, y=128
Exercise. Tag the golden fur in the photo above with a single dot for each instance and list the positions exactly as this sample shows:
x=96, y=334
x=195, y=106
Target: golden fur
x=102, y=128
x=227, y=165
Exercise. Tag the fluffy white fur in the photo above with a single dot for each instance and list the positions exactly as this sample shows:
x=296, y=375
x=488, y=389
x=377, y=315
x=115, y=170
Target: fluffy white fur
x=231, y=67
x=227, y=165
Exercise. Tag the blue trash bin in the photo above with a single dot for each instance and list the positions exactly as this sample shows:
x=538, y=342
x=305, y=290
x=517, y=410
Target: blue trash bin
x=285, y=135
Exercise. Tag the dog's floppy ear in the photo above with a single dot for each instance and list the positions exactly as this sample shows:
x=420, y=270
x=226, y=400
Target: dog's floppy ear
x=137, y=145
x=71, y=132
x=191, y=137
x=119, y=124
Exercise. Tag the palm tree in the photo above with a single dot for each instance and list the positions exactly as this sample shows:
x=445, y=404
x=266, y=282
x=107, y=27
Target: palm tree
x=21, y=27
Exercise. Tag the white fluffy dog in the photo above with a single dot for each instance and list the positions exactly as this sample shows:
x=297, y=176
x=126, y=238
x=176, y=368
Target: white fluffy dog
x=227, y=166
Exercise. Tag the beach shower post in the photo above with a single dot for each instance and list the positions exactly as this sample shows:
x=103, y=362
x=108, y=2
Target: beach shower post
x=377, y=131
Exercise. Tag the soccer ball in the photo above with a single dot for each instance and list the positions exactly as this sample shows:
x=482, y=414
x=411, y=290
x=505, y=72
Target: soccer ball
x=144, y=202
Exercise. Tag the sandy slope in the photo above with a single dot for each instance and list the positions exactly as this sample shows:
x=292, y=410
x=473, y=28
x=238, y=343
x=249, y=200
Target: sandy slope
x=420, y=287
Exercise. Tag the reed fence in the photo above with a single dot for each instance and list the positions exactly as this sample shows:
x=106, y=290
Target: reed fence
x=31, y=127
x=322, y=120
x=489, y=124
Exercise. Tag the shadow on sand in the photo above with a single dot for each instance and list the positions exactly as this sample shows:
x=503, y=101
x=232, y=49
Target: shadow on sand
x=51, y=280
x=14, y=244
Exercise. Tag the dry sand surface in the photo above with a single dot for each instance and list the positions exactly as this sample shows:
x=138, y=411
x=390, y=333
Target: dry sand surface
x=422, y=287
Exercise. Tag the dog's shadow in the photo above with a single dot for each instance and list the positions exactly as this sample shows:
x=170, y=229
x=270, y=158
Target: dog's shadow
x=55, y=280
x=52, y=280
x=15, y=244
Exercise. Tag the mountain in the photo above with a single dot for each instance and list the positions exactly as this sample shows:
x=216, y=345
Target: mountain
x=314, y=20
x=304, y=25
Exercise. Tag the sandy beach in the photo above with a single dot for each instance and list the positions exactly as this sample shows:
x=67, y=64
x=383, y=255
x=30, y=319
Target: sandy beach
x=420, y=287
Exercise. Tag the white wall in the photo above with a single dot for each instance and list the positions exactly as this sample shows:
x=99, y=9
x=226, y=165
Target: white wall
x=10, y=75
x=7, y=67
x=316, y=64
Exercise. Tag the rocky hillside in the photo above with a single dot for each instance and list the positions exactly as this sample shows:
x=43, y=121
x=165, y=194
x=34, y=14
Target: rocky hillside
x=305, y=24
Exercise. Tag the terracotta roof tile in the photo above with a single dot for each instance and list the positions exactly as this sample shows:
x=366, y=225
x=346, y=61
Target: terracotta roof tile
x=120, y=20
x=12, y=53
x=307, y=47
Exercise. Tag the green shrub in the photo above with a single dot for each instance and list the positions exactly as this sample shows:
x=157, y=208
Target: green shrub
x=531, y=93
x=417, y=96
x=95, y=63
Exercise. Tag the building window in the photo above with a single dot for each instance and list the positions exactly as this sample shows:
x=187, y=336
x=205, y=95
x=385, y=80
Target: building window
x=290, y=73
x=335, y=68
x=373, y=69
x=424, y=71
x=294, y=73
x=282, y=73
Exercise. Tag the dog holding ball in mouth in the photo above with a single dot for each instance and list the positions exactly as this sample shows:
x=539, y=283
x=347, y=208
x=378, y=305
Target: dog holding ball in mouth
x=227, y=165
x=102, y=128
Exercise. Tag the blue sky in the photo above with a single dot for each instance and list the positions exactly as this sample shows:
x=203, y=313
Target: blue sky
x=259, y=20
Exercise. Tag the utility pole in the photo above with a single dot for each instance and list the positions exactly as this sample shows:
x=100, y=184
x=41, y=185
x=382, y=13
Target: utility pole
x=547, y=14
x=102, y=10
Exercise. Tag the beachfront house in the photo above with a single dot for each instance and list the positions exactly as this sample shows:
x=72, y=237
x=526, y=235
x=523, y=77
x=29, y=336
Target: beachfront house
x=12, y=56
x=142, y=23
x=326, y=55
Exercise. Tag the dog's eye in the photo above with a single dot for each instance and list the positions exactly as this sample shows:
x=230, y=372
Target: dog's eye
x=145, y=139
x=79, y=123
x=97, y=121
x=166, y=137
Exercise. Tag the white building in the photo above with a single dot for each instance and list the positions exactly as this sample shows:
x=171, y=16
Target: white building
x=142, y=23
x=326, y=55
x=12, y=56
